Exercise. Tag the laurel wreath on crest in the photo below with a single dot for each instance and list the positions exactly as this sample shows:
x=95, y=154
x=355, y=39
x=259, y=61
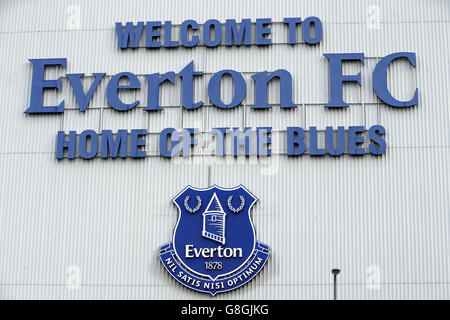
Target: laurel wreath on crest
x=236, y=210
x=189, y=209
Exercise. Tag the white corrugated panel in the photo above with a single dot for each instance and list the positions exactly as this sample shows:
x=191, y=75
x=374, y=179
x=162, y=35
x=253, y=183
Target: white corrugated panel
x=383, y=220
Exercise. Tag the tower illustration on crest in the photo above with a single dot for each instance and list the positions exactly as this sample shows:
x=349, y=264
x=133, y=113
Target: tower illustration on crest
x=214, y=221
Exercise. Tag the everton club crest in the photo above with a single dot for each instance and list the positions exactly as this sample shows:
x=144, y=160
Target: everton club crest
x=214, y=247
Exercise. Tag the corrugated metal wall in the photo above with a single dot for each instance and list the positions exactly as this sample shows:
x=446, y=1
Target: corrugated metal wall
x=92, y=229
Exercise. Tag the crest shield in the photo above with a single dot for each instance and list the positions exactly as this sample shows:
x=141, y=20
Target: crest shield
x=214, y=227
x=214, y=239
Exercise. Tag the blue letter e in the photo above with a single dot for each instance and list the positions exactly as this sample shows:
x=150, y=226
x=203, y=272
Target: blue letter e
x=38, y=85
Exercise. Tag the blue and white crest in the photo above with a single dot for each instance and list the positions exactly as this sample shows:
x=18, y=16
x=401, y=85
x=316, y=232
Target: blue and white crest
x=214, y=247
